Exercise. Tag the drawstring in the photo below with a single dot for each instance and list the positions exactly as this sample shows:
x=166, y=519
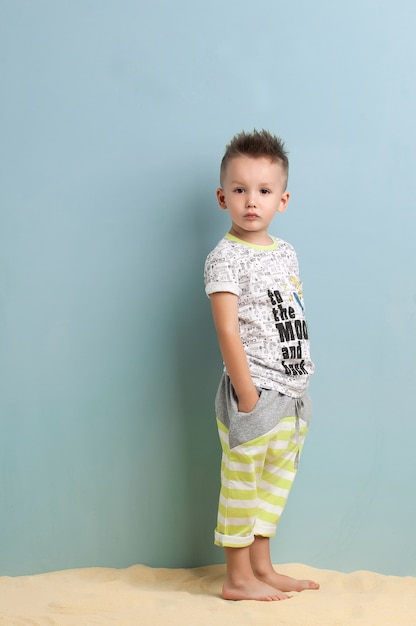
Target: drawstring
x=298, y=409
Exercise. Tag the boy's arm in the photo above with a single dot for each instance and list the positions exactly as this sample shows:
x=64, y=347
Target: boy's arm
x=225, y=313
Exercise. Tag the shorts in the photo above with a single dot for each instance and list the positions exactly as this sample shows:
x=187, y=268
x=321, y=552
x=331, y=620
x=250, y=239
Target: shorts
x=260, y=454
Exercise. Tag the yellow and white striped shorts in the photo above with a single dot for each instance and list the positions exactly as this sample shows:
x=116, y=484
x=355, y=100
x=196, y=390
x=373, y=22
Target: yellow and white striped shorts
x=256, y=475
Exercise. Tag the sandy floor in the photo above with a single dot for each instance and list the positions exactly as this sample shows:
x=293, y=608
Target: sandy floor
x=145, y=596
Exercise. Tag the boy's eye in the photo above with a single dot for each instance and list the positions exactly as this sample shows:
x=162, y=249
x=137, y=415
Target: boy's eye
x=264, y=191
x=239, y=190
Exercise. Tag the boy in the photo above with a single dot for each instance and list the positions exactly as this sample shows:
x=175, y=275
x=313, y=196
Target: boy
x=262, y=409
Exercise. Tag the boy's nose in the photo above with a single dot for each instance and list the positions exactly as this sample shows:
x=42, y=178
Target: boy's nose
x=250, y=201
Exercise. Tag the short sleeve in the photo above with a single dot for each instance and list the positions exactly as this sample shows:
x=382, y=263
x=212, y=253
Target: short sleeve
x=220, y=274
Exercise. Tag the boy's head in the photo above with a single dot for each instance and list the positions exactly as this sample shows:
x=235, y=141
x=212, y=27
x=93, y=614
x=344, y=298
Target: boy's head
x=253, y=184
x=256, y=145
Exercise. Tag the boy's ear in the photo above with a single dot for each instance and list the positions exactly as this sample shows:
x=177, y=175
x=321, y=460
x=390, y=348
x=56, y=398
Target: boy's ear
x=221, y=198
x=283, y=202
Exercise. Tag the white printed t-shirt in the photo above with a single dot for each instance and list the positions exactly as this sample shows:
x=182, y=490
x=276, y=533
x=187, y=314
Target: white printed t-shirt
x=270, y=308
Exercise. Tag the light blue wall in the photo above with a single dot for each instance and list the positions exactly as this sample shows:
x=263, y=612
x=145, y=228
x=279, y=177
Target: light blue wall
x=114, y=116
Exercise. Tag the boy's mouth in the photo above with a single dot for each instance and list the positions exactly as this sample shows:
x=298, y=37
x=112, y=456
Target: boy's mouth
x=251, y=216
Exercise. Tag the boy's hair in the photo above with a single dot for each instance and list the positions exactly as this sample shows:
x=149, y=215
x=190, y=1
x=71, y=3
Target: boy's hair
x=256, y=144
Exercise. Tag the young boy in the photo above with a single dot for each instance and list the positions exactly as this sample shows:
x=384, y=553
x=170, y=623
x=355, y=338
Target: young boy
x=262, y=407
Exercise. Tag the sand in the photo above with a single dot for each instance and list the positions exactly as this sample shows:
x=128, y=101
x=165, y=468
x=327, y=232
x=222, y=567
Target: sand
x=145, y=596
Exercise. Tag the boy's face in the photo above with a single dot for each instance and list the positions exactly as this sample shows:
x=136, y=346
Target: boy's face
x=253, y=191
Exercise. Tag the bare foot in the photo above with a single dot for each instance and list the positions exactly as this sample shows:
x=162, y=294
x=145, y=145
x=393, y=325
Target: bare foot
x=286, y=583
x=252, y=590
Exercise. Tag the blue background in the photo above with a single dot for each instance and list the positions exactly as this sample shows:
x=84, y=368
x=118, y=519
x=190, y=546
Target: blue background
x=114, y=117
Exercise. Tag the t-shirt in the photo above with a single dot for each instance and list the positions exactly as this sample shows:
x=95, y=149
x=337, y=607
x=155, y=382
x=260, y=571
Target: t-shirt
x=271, y=314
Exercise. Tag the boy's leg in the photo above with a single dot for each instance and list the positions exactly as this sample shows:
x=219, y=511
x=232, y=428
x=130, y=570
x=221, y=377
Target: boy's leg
x=275, y=480
x=237, y=508
x=241, y=583
x=264, y=571
x=248, y=481
x=274, y=485
x=236, y=518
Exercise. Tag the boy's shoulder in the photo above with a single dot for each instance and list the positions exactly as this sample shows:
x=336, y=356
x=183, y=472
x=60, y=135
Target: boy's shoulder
x=281, y=243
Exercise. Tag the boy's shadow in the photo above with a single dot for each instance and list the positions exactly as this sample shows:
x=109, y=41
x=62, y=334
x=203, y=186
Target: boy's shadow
x=198, y=369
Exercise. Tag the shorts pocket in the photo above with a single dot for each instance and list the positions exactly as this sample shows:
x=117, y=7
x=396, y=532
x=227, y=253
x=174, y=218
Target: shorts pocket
x=255, y=409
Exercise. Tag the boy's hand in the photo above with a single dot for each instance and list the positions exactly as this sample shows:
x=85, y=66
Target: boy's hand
x=246, y=405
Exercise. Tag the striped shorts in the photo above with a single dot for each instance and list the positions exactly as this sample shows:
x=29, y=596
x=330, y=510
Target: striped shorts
x=260, y=453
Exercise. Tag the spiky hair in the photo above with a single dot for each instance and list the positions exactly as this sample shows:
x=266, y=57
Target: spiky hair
x=256, y=144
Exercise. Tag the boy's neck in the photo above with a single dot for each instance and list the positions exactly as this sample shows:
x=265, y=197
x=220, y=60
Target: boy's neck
x=257, y=239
